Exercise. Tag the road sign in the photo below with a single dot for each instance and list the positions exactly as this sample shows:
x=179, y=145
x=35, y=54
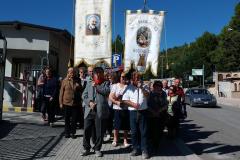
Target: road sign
x=116, y=60
x=190, y=78
x=197, y=72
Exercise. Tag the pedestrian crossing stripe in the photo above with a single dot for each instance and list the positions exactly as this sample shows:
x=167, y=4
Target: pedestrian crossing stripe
x=17, y=109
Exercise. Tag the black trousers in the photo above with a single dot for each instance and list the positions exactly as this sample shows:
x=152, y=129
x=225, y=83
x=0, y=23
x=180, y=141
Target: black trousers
x=155, y=131
x=70, y=113
x=89, y=122
x=50, y=107
x=79, y=116
x=109, y=122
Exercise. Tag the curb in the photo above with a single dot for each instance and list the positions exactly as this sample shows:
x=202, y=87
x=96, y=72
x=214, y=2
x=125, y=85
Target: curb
x=229, y=102
x=17, y=109
x=186, y=151
x=228, y=105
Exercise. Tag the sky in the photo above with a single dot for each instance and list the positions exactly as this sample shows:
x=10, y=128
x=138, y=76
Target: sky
x=186, y=20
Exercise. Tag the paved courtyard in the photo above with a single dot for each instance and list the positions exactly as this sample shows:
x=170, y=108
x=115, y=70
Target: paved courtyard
x=24, y=136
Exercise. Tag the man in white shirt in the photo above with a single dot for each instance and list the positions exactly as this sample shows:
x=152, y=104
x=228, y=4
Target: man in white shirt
x=135, y=98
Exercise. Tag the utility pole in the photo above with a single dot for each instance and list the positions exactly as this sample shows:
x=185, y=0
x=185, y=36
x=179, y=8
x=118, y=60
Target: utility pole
x=203, y=76
x=2, y=71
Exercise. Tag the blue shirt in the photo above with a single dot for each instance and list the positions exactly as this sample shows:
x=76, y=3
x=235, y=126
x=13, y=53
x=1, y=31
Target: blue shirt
x=50, y=87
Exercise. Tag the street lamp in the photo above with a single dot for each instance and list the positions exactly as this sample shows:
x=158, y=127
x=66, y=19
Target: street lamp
x=2, y=70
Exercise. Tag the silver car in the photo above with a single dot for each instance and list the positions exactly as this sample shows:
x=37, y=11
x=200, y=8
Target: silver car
x=199, y=97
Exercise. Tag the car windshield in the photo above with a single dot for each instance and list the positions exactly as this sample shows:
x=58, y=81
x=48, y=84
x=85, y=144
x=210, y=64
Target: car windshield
x=199, y=91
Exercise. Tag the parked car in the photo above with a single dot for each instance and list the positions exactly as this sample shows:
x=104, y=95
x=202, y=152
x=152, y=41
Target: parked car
x=200, y=97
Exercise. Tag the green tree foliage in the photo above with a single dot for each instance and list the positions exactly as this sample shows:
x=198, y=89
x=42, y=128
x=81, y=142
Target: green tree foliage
x=117, y=45
x=227, y=55
x=222, y=51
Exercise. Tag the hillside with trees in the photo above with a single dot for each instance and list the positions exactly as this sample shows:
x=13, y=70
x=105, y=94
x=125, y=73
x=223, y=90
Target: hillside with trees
x=216, y=52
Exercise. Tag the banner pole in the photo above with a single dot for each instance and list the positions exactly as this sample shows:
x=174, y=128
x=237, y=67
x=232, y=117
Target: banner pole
x=145, y=4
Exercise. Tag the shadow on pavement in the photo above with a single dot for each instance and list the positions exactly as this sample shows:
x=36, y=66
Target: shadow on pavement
x=192, y=135
x=27, y=140
x=118, y=151
x=6, y=127
x=210, y=107
x=167, y=148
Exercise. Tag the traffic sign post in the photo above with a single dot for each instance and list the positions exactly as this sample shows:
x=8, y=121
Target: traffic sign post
x=199, y=72
x=116, y=60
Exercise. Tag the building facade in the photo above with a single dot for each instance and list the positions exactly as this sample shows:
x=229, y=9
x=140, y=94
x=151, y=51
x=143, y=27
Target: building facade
x=29, y=48
x=227, y=84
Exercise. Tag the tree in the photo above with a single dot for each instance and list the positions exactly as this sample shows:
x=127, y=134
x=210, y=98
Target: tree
x=117, y=45
x=227, y=55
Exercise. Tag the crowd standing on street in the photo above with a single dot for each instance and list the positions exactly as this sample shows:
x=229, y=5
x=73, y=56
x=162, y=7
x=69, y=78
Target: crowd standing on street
x=103, y=104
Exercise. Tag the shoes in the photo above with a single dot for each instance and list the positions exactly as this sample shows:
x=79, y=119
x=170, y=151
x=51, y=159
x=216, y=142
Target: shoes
x=51, y=124
x=134, y=153
x=114, y=144
x=85, y=153
x=44, y=118
x=145, y=155
x=73, y=136
x=126, y=145
x=67, y=136
x=98, y=154
x=107, y=138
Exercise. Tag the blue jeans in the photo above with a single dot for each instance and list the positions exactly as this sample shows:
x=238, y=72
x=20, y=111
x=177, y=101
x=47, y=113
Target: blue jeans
x=138, y=124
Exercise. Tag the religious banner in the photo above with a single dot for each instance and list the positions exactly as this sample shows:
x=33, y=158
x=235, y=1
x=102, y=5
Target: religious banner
x=142, y=39
x=93, y=32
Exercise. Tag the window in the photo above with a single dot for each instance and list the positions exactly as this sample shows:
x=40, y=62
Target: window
x=228, y=75
x=235, y=76
x=16, y=70
x=200, y=91
x=235, y=86
x=220, y=77
x=20, y=67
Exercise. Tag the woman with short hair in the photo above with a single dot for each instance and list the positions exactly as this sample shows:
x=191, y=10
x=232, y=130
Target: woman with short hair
x=121, y=113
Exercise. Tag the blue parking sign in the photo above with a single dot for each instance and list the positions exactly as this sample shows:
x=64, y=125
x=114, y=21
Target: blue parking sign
x=116, y=60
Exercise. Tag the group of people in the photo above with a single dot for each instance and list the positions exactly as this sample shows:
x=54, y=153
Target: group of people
x=103, y=102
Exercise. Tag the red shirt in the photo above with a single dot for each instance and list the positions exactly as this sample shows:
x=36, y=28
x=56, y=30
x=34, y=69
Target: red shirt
x=180, y=92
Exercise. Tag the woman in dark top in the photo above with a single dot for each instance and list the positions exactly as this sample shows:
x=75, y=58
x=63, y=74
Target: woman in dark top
x=174, y=110
x=157, y=107
x=50, y=93
x=40, y=85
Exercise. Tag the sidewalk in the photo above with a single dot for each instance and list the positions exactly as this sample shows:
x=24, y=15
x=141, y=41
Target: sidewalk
x=170, y=150
x=25, y=137
x=233, y=102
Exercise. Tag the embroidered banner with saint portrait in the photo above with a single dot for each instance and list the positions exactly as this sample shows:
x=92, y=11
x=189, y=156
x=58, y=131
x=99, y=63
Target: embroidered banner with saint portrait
x=142, y=39
x=93, y=31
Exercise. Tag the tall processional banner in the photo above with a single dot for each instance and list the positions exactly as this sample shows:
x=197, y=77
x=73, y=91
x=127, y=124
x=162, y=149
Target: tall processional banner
x=93, y=31
x=142, y=39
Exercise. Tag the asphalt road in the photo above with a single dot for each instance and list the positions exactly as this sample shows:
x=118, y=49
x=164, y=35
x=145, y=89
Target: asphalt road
x=213, y=133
